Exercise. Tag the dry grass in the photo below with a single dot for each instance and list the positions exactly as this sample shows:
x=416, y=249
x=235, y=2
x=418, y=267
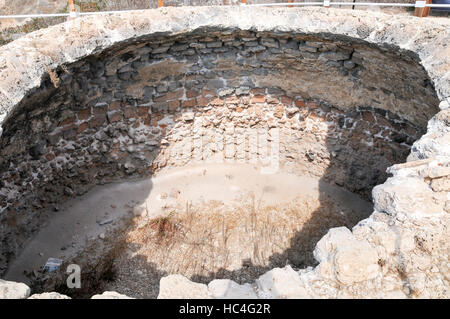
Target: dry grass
x=204, y=242
x=213, y=240
x=54, y=78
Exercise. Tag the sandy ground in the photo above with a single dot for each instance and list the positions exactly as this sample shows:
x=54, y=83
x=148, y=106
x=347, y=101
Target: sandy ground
x=90, y=216
x=77, y=222
x=241, y=225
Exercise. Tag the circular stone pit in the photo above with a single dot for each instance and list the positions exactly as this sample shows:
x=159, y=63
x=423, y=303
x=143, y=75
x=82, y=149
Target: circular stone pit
x=290, y=123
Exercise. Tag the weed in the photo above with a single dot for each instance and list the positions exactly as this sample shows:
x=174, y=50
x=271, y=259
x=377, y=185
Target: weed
x=54, y=78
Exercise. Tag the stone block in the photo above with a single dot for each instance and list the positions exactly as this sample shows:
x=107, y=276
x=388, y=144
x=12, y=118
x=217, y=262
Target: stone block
x=49, y=295
x=228, y=289
x=335, y=55
x=441, y=184
x=188, y=103
x=114, y=116
x=405, y=195
x=84, y=114
x=344, y=258
x=258, y=99
x=97, y=120
x=202, y=101
x=110, y=295
x=179, y=287
x=281, y=283
x=13, y=290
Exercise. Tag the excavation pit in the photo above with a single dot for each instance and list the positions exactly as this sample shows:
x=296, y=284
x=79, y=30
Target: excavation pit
x=213, y=153
x=205, y=222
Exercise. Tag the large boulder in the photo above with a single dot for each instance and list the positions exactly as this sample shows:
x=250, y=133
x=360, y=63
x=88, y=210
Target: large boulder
x=49, y=295
x=111, y=295
x=436, y=142
x=406, y=195
x=179, y=287
x=344, y=258
x=13, y=290
x=281, y=283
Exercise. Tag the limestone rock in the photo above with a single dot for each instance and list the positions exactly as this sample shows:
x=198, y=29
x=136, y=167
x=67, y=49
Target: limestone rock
x=179, y=287
x=436, y=172
x=436, y=142
x=13, y=290
x=281, y=283
x=111, y=295
x=328, y=243
x=188, y=116
x=405, y=195
x=444, y=105
x=395, y=294
x=228, y=289
x=355, y=263
x=49, y=295
x=345, y=258
x=441, y=184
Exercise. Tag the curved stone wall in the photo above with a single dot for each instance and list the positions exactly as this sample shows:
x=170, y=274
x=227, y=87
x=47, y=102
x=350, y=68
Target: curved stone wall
x=128, y=100
x=88, y=118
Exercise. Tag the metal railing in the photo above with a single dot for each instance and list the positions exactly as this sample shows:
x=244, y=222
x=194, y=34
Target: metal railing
x=422, y=8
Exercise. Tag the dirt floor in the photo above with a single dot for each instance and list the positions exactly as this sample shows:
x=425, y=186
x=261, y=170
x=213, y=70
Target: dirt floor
x=215, y=221
x=215, y=240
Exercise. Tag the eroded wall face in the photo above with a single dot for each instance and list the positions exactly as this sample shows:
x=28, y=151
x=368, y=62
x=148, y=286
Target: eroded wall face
x=340, y=110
